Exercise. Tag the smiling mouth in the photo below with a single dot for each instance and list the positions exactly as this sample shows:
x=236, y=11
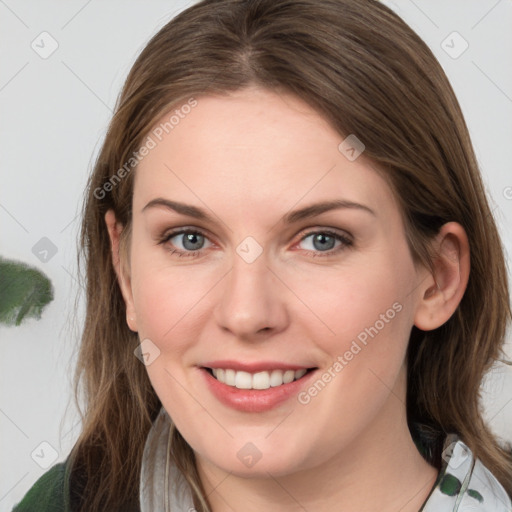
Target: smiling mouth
x=258, y=380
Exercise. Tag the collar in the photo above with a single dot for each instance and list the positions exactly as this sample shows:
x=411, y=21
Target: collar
x=158, y=468
x=465, y=484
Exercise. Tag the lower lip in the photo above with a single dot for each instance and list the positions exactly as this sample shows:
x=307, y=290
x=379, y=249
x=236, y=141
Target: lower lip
x=254, y=400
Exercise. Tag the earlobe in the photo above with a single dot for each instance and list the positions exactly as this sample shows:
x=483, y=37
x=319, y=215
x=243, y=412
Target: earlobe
x=123, y=278
x=441, y=293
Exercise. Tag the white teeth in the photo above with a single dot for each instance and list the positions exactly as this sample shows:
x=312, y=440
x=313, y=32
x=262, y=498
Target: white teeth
x=243, y=380
x=229, y=378
x=259, y=380
x=300, y=373
x=276, y=378
x=288, y=376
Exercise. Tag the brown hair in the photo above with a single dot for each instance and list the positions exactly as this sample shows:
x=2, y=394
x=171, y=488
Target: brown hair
x=362, y=68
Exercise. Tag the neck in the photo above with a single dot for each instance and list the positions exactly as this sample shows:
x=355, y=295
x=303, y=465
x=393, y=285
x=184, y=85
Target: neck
x=381, y=470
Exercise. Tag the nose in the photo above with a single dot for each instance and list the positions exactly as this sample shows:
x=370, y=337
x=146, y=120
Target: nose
x=253, y=301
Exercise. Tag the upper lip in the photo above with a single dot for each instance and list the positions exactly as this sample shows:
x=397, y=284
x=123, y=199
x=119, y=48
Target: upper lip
x=259, y=366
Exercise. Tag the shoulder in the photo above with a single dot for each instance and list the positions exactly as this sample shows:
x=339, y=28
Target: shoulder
x=47, y=494
x=58, y=491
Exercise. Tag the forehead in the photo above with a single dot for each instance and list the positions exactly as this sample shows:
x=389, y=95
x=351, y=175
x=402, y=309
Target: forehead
x=253, y=149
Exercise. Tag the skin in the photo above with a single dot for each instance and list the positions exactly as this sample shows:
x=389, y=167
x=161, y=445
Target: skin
x=249, y=159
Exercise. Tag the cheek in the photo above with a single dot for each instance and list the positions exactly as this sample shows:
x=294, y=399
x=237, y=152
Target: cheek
x=166, y=296
x=370, y=301
x=368, y=314
x=170, y=304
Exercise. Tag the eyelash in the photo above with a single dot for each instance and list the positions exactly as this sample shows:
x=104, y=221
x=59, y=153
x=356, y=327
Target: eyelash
x=346, y=242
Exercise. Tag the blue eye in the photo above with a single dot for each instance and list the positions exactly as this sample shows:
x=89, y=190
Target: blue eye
x=192, y=242
x=324, y=242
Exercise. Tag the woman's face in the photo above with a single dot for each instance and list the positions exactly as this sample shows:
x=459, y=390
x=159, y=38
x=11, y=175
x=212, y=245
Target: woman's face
x=263, y=280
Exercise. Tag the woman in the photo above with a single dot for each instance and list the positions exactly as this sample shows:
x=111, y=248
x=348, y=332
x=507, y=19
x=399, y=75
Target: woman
x=294, y=281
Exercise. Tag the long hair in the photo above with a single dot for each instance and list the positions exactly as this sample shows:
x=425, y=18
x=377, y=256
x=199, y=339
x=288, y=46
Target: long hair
x=364, y=70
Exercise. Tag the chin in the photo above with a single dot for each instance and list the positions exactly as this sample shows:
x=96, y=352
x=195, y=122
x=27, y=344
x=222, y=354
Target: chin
x=251, y=462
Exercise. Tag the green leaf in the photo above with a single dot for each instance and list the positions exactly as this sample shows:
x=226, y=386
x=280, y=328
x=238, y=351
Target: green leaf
x=24, y=292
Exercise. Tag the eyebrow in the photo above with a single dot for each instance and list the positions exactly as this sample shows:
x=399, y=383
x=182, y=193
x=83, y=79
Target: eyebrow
x=290, y=218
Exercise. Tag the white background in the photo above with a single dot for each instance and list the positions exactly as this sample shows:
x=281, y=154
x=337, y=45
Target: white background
x=54, y=114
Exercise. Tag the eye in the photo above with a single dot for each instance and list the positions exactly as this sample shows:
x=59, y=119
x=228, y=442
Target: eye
x=191, y=242
x=325, y=242
x=188, y=242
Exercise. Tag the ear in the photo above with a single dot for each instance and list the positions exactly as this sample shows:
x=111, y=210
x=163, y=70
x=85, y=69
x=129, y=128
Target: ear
x=118, y=261
x=441, y=292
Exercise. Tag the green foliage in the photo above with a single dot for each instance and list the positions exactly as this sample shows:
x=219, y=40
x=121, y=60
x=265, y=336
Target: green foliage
x=24, y=292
